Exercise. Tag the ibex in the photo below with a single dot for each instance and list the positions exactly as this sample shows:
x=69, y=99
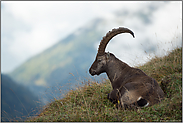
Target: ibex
x=131, y=86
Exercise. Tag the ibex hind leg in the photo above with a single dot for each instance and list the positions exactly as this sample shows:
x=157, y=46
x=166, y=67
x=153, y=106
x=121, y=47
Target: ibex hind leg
x=137, y=103
x=135, y=96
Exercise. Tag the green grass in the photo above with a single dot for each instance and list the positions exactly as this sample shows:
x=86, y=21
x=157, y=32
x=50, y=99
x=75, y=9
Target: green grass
x=89, y=102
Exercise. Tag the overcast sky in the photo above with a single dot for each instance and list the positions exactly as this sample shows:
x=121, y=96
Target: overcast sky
x=29, y=27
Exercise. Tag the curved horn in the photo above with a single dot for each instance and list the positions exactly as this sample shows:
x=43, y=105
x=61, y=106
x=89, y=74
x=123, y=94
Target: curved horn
x=109, y=36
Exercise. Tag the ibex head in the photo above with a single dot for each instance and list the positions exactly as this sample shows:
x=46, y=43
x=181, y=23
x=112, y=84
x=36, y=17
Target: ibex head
x=100, y=64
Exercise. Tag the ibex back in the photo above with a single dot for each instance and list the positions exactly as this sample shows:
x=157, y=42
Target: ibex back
x=131, y=86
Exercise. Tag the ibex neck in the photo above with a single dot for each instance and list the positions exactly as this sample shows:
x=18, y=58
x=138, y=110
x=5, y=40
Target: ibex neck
x=116, y=69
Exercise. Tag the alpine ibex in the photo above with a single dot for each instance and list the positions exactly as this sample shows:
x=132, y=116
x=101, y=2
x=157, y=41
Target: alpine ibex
x=131, y=86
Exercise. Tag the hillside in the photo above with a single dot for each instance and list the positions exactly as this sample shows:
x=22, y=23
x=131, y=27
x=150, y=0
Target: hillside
x=17, y=102
x=89, y=102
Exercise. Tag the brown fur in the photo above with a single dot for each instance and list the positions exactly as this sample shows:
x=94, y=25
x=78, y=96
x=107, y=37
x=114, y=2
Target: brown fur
x=131, y=86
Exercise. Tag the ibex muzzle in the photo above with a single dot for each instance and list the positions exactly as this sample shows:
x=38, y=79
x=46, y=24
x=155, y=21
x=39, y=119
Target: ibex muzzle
x=99, y=65
x=131, y=86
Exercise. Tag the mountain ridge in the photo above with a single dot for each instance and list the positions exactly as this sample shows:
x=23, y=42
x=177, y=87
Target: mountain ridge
x=72, y=54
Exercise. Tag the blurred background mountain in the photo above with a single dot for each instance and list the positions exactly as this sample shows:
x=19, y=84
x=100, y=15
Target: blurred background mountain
x=63, y=63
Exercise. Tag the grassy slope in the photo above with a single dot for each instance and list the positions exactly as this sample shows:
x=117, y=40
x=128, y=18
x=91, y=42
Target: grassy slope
x=90, y=103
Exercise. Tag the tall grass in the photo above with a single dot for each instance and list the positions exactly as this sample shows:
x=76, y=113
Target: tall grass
x=89, y=103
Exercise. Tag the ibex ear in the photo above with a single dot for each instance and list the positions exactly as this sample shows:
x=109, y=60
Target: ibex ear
x=107, y=55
